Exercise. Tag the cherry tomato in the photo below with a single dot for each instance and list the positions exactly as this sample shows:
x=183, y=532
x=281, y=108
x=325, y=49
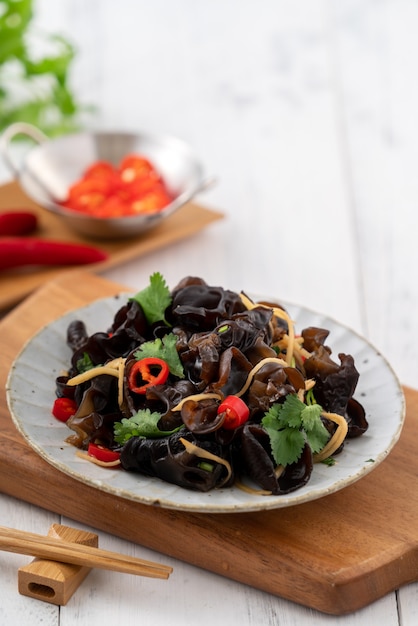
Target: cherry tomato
x=64, y=408
x=102, y=454
x=236, y=412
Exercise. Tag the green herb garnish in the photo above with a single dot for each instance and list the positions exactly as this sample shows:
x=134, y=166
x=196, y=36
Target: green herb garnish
x=165, y=349
x=84, y=364
x=329, y=461
x=292, y=423
x=154, y=299
x=142, y=424
x=34, y=87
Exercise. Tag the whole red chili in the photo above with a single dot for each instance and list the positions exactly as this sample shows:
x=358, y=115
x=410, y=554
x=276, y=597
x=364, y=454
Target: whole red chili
x=147, y=373
x=18, y=222
x=19, y=251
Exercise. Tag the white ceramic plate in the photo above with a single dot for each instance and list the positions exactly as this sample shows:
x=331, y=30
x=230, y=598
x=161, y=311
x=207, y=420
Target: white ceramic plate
x=31, y=393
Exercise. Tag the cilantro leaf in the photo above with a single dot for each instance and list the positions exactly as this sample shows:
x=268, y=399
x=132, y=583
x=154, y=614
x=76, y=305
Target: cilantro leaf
x=316, y=433
x=290, y=425
x=84, y=364
x=165, y=349
x=291, y=411
x=154, y=299
x=286, y=444
x=142, y=424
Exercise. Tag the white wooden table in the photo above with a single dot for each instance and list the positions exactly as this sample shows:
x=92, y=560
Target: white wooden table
x=306, y=113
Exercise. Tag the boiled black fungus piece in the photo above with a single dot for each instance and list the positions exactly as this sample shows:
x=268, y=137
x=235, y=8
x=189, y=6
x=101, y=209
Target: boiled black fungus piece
x=259, y=464
x=168, y=459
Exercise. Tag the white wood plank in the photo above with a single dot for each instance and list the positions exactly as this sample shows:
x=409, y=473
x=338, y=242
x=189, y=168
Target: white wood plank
x=375, y=51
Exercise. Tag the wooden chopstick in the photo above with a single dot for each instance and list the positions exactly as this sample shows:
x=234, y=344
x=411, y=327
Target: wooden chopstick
x=32, y=544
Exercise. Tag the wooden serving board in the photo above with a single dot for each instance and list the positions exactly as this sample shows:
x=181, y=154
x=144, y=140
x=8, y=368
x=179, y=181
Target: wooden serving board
x=336, y=554
x=16, y=284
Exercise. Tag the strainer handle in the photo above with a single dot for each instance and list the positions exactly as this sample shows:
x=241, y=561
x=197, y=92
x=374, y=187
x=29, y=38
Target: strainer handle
x=19, y=128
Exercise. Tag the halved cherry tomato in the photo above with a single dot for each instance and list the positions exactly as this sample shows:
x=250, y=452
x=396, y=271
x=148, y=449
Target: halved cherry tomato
x=102, y=454
x=64, y=408
x=148, y=372
x=236, y=412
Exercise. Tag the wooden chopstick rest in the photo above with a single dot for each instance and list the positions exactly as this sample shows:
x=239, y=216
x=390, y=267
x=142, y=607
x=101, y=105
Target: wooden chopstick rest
x=64, y=559
x=53, y=581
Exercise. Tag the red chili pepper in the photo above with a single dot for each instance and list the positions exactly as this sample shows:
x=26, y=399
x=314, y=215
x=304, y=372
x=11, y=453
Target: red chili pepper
x=102, y=454
x=107, y=191
x=64, y=408
x=236, y=412
x=134, y=167
x=17, y=222
x=149, y=371
x=19, y=251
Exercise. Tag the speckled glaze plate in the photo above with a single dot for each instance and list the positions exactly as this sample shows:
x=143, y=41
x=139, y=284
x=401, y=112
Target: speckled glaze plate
x=31, y=392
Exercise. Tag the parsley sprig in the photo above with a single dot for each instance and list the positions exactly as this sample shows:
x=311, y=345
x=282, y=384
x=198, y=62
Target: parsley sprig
x=290, y=425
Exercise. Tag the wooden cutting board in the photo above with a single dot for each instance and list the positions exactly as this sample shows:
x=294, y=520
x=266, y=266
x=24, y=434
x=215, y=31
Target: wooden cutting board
x=16, y=284
x=336, y=554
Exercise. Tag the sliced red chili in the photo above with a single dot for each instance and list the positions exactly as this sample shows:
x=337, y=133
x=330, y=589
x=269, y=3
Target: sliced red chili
x=133, y=167
x=236, y=412
x=107, y=191
x=64, y=408
x=146, y=373
x=102, y=454
x=99, y=169
x=151, y=202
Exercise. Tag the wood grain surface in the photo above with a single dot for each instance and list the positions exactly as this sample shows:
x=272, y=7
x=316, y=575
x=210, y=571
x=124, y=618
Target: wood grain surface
x=336, y=554
x=15, y=284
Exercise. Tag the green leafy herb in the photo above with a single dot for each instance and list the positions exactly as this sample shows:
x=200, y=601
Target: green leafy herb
x=84, y=364
x=329, y=461
x=292, y=423
x=165, y=349
x=154, y=299
x=142, y=424
x=34, y=79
